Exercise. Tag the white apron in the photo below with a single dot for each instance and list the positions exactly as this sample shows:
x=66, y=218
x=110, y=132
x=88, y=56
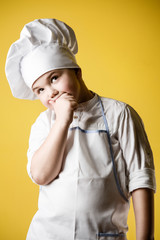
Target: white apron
x=85, y=202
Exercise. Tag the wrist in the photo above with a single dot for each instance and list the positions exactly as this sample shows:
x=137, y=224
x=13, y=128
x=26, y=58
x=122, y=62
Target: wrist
x=62, y=124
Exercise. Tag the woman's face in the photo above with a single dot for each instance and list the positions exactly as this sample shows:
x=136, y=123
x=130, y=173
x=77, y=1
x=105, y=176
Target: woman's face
x=52, y=84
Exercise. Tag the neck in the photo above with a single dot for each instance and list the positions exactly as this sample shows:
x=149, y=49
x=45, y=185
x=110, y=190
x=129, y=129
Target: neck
x=85, y=93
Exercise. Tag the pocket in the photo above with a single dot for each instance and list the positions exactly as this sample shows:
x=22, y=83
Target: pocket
x=111, y=236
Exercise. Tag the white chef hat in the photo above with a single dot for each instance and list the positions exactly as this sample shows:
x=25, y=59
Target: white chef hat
x=44, y=45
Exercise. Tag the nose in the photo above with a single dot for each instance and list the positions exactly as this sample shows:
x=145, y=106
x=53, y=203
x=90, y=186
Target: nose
x=52, y=92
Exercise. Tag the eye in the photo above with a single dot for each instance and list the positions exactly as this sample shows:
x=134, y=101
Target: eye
x=53, y=79
x=40, y=90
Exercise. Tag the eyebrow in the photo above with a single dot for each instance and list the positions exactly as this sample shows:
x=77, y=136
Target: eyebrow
x=53, y=72
x=33, y=89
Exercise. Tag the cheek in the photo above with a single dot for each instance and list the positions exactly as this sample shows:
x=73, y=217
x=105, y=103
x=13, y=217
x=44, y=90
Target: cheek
x=75, y=89
x=63, y=86
x=66, y=84
x=45, y=103
x=43, y=100
x=72, y=87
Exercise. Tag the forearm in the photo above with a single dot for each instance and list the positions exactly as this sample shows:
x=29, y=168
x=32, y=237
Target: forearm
x=47, y=160
x=143, y=203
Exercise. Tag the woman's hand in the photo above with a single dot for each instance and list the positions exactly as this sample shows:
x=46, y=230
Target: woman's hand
x=64, y=105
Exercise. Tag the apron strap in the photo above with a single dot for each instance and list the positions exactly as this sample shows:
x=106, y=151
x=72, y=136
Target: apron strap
x=111, y=151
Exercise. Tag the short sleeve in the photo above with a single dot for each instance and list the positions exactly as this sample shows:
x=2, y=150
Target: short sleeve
x=136, y=150
x=39, y=132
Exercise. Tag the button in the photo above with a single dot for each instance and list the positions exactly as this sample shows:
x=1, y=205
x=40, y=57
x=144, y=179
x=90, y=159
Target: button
x=75, y=117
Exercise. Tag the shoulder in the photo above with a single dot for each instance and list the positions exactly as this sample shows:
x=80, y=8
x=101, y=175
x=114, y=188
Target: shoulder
x=113, y=103
x=118, y=108
x=40, y=128
x=121, y=116
x=44, y=120
x=45, y=116
x=114, y=108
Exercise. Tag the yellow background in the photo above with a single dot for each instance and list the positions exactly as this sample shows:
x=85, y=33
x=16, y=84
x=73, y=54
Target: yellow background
x=119, y=52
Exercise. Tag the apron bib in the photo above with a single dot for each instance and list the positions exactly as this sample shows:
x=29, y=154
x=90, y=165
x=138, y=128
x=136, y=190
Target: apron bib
x=85, y=202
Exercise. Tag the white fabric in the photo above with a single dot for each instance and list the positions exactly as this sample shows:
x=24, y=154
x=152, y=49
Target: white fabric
x=87, y=154
x=44, y=45
x=44, y=59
